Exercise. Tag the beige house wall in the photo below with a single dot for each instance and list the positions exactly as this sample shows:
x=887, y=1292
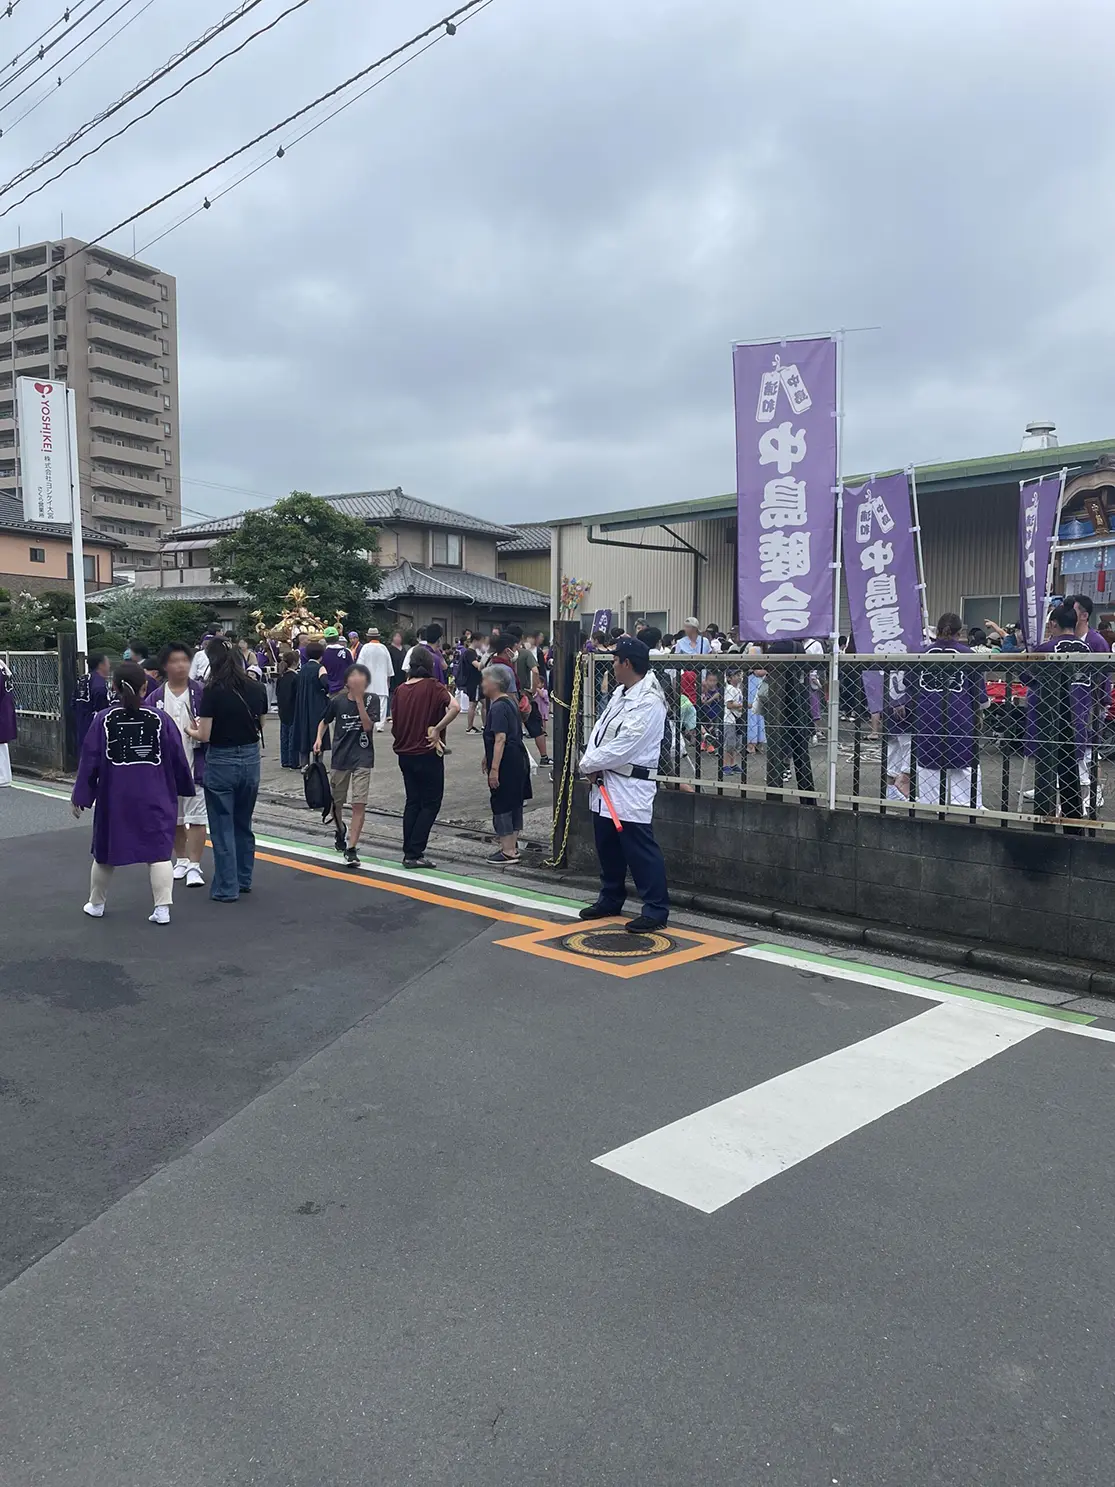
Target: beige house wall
x=16, y=564
x=637, y=579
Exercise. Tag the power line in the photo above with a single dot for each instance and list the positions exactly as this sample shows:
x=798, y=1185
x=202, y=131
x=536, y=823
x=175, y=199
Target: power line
x=139, y=88
x=65, y=19
x=62, y=20
x=76, y=46
x=96, y=52
x=447, y=22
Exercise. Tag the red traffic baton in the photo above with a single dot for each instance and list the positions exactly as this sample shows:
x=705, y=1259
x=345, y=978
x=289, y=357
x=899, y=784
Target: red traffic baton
x=607, y=799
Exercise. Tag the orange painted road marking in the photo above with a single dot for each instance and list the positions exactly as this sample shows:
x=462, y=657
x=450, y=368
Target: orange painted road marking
x=698, y=947
x=404, y=890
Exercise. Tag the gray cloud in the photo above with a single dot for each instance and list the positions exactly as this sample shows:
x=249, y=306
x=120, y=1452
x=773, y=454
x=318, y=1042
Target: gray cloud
x=508, y=280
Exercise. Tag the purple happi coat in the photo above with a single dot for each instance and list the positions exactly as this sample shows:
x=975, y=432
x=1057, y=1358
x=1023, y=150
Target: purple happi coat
x=1050, y=694
x=133, y=769
x=155, y=699
x=90, y=697
x=946, y=701
x=7, y=706
x=336, y=660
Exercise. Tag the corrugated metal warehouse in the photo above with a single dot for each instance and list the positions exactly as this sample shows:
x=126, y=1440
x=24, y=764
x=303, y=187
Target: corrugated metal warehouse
x=667, y=562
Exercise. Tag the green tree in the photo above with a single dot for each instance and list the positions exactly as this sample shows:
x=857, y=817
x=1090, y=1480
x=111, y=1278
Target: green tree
x=301, y=540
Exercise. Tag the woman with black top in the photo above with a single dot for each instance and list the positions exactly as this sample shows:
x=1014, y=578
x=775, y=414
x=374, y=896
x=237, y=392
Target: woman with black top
x=505, y=763
x=228, y=720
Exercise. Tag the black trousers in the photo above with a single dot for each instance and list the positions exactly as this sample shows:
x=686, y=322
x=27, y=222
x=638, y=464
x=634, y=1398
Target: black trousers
x=786, y=742
x=632, y=848
x=424, y=781
x=1056, y=768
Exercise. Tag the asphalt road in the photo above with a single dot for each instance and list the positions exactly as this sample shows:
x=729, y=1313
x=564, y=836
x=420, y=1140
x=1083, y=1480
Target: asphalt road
x=306, y=1190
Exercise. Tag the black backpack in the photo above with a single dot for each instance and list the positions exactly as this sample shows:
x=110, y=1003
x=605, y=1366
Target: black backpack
x=319, y=797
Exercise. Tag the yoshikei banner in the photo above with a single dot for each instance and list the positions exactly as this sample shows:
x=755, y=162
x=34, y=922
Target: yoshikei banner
x=44, y=450
x=881, y=567
x=786, y=482
x=1038, y=503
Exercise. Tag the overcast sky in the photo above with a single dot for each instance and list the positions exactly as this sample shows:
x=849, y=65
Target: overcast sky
x=509, y=278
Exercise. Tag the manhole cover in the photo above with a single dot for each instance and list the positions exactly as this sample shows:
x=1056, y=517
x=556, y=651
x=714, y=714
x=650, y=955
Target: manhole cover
x=618, y=944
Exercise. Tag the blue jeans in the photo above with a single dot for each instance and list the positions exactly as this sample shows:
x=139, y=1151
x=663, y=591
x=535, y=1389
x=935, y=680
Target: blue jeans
x=231, y=787
x=288, y=754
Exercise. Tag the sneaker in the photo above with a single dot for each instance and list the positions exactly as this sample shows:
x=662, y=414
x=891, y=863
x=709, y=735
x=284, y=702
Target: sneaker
x=352, y=857
x=195, y=878
x=502, y=858
x=597, y=911
x=95, y=911
x=545, y=761
x=181, y=868
x=161, y=915
x=643, y=926
x=340, y=839
x=418, y=862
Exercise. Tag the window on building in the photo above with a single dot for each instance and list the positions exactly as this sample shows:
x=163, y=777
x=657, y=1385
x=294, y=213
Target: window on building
x=1002, y=608
x=166, y=429
x=166, y=457
x=165, y=316
x=38, y=554
x=166, y=401
x=88, y=563
x=168, y=483
x=166, y=373
x=447, y=550
x=164, y=291
x=656, y=617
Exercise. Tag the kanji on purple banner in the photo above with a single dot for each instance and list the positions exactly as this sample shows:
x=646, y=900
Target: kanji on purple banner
x=785, y=395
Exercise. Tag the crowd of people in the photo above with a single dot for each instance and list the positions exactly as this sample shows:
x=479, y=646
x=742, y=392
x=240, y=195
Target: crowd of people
x=929, y=717
x=193, y=718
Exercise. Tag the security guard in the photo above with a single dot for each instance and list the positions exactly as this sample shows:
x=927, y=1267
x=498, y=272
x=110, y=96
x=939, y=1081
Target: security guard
x=622, y=757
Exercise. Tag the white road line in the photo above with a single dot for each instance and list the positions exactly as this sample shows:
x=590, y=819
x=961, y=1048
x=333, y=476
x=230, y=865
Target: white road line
x=714, y=1156
x=871, y=976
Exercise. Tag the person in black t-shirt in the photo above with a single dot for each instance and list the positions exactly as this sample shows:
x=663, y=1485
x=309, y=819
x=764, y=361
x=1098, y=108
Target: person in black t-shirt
x=354, y=755
x=229, y=721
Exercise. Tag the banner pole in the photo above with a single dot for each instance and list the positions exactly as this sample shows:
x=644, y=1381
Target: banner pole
x=75, y=525
x=1056, y=533
x=832, y=753
x=921, y=556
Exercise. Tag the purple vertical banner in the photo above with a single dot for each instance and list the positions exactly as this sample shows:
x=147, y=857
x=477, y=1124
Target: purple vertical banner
x=786, y=483
x=881, y=567
x=1037, y=518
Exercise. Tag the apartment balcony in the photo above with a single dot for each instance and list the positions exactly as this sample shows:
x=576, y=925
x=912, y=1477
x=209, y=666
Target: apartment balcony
x=140, y=485
x=101, y=302
x=127, y=454
x=128, y=280
x=116, y=421
x=129, y=397
x=34, y=324
x=123, y=366
x=105, y=507
x=33, y=364
x=130, y=340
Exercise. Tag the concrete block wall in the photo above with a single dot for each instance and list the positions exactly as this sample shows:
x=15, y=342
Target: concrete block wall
x=1027, y=890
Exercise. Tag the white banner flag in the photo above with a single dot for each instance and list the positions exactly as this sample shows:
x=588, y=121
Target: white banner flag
x=44, y=450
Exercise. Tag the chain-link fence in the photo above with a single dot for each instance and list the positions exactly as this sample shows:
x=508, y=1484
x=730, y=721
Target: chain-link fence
x=37, y=684
x=1018, y=741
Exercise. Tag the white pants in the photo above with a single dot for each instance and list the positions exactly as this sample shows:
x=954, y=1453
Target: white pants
x=958, y=787
x=5, y=765
x=381, y=698
x=162, y=882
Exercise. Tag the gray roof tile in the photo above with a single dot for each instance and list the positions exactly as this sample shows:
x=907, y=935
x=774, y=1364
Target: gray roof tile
x=380, y=507
x=11, y=520
x=528, y=538
x=477, y=587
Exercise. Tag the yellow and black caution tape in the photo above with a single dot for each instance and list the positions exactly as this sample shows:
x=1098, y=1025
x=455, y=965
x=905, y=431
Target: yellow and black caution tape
x=564, y=796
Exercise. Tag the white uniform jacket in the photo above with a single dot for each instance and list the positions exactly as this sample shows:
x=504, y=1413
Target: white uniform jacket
x=628, y=731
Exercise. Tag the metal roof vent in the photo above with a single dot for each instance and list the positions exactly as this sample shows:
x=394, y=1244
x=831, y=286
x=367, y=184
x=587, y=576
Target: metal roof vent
x=1040, y=434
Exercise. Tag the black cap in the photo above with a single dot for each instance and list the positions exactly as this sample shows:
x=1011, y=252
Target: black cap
x=635, y=651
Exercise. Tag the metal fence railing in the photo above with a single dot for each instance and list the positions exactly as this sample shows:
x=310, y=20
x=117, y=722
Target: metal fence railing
x=1015, y=742
x=37, y=684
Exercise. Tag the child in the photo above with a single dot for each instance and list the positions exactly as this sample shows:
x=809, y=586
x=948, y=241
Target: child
x=733, y=712
x=354, y=756
x=709, y=711
x=133, y=768
x=180, y=698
